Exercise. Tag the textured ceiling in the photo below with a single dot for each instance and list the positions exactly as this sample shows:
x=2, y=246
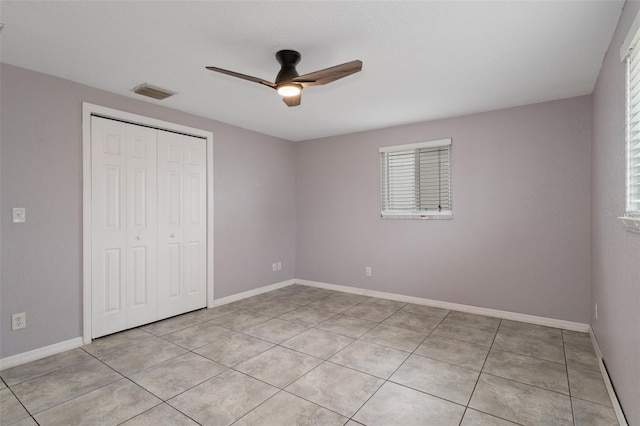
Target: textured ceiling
x=423, y=60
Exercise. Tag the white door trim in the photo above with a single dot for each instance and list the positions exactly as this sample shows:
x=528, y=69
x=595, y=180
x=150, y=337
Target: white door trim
x=87, y=111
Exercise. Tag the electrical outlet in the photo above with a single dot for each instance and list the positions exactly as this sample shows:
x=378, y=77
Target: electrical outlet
x=367, y=271
x=596, y=311
x=19, y=215
x=279, y=266
x=18, y=321
x=274, y=266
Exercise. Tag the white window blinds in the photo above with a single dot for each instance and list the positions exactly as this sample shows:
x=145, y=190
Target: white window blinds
x=633, y=129
x=416, y=180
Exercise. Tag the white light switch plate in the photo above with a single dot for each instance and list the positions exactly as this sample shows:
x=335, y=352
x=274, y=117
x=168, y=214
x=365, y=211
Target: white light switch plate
x=19, y=215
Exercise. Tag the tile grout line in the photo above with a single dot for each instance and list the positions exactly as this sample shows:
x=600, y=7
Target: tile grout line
x=564, y=352
x=481, y=369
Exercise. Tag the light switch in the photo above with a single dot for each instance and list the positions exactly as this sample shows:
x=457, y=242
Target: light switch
x=19, y=215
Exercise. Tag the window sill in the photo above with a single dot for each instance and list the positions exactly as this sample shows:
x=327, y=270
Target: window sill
x=631, y=223
x=418, y=216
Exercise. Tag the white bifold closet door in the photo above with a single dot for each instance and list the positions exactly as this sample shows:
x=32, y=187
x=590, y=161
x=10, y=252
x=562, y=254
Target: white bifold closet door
x=148, y=240
x=124, y=222
x=182, y=222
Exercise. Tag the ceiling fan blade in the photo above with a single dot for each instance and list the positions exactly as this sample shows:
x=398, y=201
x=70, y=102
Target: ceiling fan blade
x=243, y=76
x=292, y=100
x=327, y=75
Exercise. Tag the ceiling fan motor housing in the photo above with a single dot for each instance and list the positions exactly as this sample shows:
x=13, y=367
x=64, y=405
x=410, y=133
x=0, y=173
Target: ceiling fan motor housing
x=288, y=59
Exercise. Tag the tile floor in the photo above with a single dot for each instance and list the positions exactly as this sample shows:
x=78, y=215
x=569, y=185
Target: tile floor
x=308, y=356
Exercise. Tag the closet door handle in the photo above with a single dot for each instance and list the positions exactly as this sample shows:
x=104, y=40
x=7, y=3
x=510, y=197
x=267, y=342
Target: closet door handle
x=138, y=237
x=173, y=235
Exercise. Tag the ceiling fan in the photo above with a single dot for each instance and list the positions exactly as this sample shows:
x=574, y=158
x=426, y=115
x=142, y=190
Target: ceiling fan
x=289, y=84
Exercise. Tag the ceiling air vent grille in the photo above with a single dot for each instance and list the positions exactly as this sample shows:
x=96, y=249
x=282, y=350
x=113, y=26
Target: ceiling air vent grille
x=153, y=91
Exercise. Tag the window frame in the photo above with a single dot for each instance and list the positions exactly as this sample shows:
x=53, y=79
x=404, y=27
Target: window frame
x=630, y=52
x=415, y=214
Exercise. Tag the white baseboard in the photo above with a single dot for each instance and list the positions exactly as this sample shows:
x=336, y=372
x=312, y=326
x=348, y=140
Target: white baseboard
x=531, y=319
x=36, y=354
x=617, y=408
x=250, y=293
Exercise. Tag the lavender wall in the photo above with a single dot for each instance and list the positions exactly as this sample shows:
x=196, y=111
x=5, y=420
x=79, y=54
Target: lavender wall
x=615, y=253
x=41, y=166
x=519, y=238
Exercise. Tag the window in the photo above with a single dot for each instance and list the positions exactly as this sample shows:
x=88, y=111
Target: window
x=630, y=53
x=416, y=180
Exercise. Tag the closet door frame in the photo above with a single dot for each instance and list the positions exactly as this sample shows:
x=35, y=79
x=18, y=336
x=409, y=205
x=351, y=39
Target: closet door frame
x=89, y=110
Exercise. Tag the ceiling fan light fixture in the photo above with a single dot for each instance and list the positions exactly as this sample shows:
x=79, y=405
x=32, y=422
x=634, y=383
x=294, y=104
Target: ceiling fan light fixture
x=286, y=90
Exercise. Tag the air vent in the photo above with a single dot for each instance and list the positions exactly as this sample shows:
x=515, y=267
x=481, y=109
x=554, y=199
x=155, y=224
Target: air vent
x=153, y=91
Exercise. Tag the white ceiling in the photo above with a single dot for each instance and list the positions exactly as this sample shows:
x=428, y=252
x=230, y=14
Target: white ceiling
x=423, y=60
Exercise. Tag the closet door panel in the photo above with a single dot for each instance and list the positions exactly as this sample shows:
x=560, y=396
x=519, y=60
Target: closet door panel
x=108, y=222
x=170, y=224
x=142, y=225
x=195, y=223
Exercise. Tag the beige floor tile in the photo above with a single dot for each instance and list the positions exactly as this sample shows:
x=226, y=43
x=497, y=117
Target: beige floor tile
x=426, y=310
x=278, y=366
x=466, y=333
x=302, y=298
x=318, y=343
x=476, y=418
x=532, y=330
x=115, y=342
x=170, y=325
x=213, y=313
x=274, y=308
x=11, y=410
x=394, y=337
x=588, y=385
x=397, y=405
x=233, y=350
x=441, y=379
x=549, y=349
x=223, y=399
x=347, y=326
x=31, y=370
x=161, y=415
x=62, y=385
x=520, y=403
x=108, y=405
x=577, y=338
x=251, y=301
x=465, y=318
x=387, y=303
x=336, y=388
x=532, y=371
x=338, y=302
x=143, y=355
x=25, y=422
x=275, y=330
x=307, y=316
x=414, y=322
x=240, y=320
x=176, y=375
x=370, y=312
x=376, y=360
x=198, y=335
x=587, y=413
x=287, y=409
x=454, y=351
x=579, y=356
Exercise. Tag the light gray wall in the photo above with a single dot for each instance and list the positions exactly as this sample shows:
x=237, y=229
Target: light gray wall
x=519, y=238
x=615, y=253
x=41, y=166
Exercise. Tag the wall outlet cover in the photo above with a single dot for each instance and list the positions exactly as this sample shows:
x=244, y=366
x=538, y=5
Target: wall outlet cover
x=18, y=321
